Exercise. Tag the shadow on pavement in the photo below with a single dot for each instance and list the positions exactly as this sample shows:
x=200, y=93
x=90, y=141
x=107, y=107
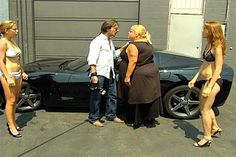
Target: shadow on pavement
x=24, y=118
x=190, y=130
x=67, y=109
x=51, y=139
x=216, y=111
x=1, y=113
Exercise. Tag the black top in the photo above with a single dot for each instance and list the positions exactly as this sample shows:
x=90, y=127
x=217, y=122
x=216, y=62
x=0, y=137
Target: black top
x=208, y=56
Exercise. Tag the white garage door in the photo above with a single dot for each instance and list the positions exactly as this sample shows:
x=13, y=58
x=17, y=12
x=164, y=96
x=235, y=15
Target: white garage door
x=185, y=27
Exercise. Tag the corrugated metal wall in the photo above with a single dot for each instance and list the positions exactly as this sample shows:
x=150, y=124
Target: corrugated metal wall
x=57, y=28
x=154, y=14
x=231, y=36
x=65, y=28
x=217, y=10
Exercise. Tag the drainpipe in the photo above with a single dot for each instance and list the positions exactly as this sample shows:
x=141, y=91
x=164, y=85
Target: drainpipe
x=226, y=21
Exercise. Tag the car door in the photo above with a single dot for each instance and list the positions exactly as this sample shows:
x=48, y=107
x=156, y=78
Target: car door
x=159, y=60
x=78, y=87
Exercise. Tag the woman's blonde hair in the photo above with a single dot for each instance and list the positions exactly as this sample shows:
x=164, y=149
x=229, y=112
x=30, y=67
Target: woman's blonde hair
x=7, y=24
x=216, y=35
x=141, y=31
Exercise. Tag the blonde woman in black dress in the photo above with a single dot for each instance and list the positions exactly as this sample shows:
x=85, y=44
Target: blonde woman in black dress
x=139, y=81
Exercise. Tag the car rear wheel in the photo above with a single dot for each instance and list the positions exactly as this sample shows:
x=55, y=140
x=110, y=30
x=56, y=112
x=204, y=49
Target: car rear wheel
x=30, y=98
x=182, y=102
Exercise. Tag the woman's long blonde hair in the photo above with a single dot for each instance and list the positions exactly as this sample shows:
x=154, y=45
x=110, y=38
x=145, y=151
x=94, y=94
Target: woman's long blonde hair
x=216, y=35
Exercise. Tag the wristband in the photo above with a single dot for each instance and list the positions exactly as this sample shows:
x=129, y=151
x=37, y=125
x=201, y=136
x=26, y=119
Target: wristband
x=92, y=74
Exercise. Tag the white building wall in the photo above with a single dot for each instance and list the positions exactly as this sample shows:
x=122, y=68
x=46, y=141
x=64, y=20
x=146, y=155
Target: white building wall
x=4, y=10
x=187, y=6
x=185, y=27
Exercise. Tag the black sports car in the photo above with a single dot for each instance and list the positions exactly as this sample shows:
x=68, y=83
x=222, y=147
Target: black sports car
x=64, y=83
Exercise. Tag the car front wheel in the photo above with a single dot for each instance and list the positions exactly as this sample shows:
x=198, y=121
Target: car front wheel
x=30, y=98
x=182, y=102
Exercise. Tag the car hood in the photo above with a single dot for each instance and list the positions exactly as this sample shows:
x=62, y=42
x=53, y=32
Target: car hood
x=53, y=64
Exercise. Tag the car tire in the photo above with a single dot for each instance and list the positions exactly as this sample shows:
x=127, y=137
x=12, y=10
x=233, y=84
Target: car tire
x=182, y=102
x=30, y=98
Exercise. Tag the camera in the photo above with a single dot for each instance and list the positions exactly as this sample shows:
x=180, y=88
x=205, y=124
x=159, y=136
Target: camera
x=95, y=86
x=102, y=91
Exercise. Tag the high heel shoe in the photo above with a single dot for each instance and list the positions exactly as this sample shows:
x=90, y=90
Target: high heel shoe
x=206, y=144
x=17, y=135
x=218, y=131
x=17, y=128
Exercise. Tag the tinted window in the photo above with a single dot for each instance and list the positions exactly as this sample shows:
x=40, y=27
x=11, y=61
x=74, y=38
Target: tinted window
x=77, y=63
x=171, y=60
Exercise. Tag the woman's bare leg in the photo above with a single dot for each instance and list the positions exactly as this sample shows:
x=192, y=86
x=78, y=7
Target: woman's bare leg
x=208, y=118
x=215, y=125
x=17, y=94
x=10, y=95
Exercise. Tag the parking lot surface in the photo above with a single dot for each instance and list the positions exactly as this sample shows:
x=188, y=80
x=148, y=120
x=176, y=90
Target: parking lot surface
x=67, y=133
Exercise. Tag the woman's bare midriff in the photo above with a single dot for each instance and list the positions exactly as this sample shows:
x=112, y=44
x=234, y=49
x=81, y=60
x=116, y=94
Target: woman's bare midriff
x=13, y=64
x=208, y=69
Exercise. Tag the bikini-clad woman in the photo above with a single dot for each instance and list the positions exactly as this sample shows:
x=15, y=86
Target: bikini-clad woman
x=11, y=73
x=210, y=71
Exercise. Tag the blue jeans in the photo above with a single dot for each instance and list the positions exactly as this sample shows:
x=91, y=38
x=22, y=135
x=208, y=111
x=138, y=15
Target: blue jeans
x=109, y=85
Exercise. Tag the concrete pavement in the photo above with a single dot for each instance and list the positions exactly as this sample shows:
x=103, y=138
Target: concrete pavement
x=61, y=134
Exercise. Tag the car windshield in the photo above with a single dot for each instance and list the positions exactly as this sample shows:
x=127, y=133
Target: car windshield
x=77, y=63
x=174, y=60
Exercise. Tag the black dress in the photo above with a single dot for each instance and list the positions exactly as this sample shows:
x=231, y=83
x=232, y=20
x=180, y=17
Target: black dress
x=143, y=96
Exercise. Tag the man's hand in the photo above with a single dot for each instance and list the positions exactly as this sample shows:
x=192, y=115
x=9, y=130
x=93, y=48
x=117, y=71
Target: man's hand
x=94, y=79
